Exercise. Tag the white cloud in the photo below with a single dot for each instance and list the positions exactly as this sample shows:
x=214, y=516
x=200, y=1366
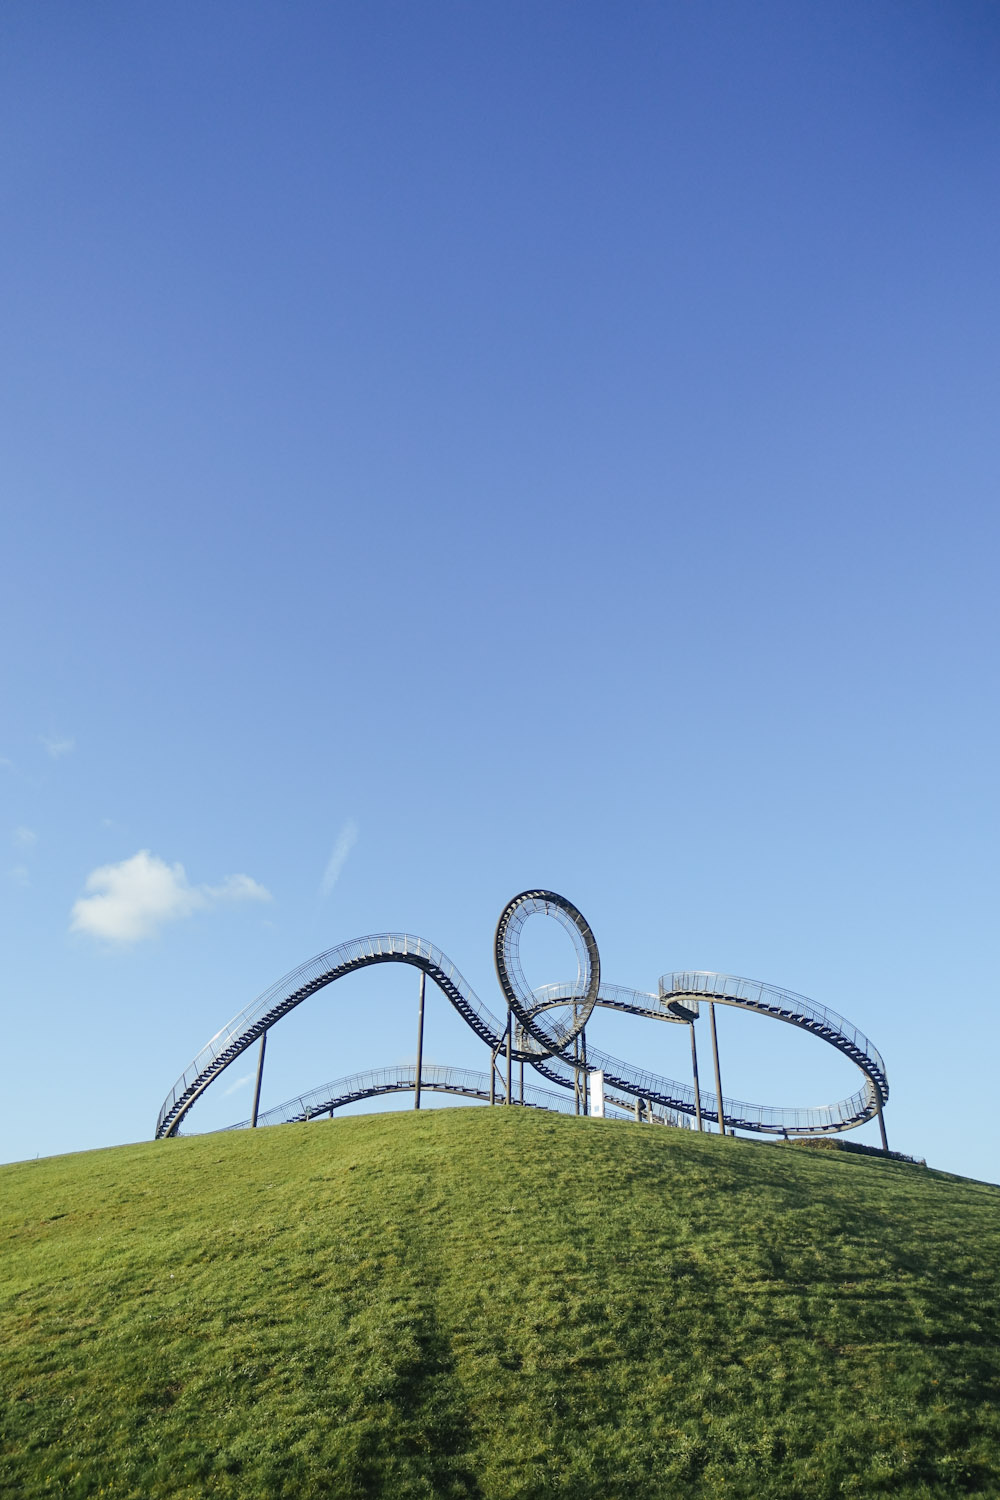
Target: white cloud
x=19, y=875
x=133, y=899
x=56, y=747
x=346, y=840
x=24, y=838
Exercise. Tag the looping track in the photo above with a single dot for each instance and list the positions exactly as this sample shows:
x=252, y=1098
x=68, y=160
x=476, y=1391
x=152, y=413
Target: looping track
x=559, y=1018
x=544, y=1046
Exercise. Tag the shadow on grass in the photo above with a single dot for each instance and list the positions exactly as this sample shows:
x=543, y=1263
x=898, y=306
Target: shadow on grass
x=424, y=1445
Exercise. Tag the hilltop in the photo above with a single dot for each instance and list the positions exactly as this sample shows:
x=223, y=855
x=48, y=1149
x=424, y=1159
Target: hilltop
x=474, y=1302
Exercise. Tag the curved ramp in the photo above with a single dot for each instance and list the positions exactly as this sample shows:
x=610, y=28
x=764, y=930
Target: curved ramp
x=288, y=992
x=688, y=987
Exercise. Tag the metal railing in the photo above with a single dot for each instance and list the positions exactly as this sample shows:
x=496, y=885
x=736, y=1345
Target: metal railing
x=609, y=997
x=469, y=1083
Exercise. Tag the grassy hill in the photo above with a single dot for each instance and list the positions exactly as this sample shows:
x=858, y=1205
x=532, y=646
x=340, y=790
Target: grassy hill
x=495, y=1303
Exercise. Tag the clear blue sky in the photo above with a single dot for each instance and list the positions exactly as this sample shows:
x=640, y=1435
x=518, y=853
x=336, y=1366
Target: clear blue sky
x=509, y=444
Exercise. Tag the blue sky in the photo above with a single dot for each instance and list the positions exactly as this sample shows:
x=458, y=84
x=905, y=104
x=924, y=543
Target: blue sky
x=448, y=449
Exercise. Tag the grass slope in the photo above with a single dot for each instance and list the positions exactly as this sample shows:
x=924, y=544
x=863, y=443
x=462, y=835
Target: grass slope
x=494, y=1303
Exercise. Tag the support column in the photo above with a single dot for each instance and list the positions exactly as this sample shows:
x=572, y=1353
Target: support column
x=718, y=1075
x=697, y=1085
x=256, y=1087
x=586, y=1075
x=576, y=1064
x=881, y=1126
x=420, y=1040
x=507, y=1100
x=638, y=1108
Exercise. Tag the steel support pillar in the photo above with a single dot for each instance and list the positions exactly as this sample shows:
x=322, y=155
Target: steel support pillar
x=420, y=1040
x=697, y=1085
x=718, y=1075
x=509, y=1024
x=260, y=1076
x=576, y=1064
x=586, y=1076
x=881, y=1126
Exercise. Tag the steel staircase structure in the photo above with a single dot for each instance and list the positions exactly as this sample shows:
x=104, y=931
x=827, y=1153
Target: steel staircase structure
x=679, y=998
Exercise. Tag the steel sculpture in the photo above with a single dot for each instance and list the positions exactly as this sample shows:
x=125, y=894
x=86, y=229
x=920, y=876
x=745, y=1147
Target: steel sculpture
x=545, y=1028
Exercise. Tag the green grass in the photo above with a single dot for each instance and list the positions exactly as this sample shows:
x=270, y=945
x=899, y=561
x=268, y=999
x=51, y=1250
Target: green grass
x=495, y=1303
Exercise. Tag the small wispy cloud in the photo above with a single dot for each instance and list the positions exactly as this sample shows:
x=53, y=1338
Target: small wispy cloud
x=136, y=897
x=57, y=746
x=24, y=838
x=346, y=840
x=19, y=875
x=240, y=1083
x=5, y=764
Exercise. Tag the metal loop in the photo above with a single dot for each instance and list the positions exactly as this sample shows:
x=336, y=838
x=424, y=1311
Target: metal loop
x=553, y=1023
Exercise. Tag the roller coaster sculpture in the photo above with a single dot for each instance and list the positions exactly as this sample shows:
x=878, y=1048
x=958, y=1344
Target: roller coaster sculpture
x=544, y=1028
